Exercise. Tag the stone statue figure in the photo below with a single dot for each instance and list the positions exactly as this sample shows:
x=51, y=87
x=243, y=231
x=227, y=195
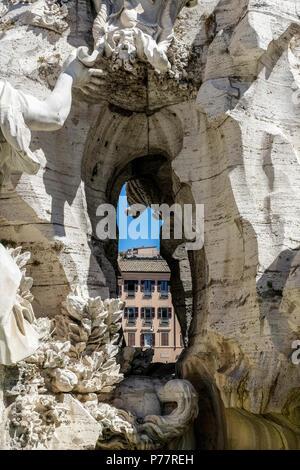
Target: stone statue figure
x=124, y=31
x=127, y=30
x=140, y=405
x=21, y=113
x=18, y=338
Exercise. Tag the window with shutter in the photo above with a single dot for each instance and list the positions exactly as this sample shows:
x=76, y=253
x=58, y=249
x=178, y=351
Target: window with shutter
x=136, y=312
x=125, y=313
x=142, y=312
x=170, y=312
x=153, y=312
x=148, y=314
x=131, y=314
x=131, y=339
x=164, y=315
x=146, y=288
x=148, y=339
x=142, y=340
x=165, y=338
x=120, y=290
x=164, y=291
x=159, y=313
x=131, y=287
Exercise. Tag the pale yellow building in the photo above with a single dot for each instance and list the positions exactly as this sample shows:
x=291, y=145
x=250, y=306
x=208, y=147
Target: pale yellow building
x=149, y=318
x=143, y=252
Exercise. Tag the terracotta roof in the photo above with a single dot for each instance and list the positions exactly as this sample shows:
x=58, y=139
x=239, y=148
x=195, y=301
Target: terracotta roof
x=143, y=265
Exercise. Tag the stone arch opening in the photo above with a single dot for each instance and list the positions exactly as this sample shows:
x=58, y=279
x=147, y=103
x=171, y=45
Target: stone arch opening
x=139, y=148
x=150, y=180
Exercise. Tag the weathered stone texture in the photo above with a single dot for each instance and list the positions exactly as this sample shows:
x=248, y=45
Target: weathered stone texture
x=229, y=136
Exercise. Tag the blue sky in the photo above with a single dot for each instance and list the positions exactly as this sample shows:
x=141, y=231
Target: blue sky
x=143, y=221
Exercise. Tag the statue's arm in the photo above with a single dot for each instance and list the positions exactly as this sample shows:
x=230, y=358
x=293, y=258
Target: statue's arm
x=51, y=114
x=20, y=113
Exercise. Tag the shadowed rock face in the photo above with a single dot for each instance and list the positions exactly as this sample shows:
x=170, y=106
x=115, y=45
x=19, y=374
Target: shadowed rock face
x=235, y=149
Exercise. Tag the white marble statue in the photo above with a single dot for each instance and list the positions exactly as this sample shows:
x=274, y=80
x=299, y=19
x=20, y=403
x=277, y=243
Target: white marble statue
x=136, y=419
x=127, y=30
x=20, y=113
x=18, y=338
x=124, y=31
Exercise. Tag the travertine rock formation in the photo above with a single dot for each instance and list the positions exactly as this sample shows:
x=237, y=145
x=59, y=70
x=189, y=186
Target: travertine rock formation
x=219, y=128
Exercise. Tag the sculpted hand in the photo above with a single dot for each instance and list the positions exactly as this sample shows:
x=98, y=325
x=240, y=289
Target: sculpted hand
x=87, y=79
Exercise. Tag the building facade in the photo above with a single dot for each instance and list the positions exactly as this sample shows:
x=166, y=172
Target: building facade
x=149, y=318
x=142, y=252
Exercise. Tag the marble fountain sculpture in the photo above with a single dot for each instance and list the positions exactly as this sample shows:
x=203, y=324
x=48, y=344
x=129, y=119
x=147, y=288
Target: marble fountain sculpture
x=190, y=105
x=65, y=368
x=18, y=339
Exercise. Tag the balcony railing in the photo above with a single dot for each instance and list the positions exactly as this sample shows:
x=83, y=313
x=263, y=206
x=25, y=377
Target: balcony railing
x=164, y=295
x=130, y=294
x=147, y=294
x=164, y=321
x=148, y=322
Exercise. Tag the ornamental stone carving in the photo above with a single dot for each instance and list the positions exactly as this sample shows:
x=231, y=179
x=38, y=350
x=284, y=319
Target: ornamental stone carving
x=129, y=30
x=50, y=15
x=139, y=395
x=77, y=354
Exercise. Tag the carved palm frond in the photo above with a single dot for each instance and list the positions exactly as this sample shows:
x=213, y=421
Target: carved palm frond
x=100, y=23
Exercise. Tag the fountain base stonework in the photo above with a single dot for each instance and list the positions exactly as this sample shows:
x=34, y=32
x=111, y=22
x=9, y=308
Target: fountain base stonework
x=61, y=396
